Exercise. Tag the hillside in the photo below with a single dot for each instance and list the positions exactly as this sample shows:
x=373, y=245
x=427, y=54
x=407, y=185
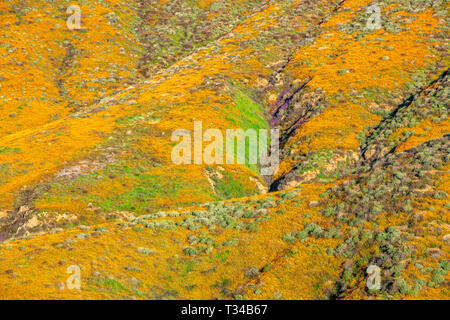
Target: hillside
x=87, y=176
